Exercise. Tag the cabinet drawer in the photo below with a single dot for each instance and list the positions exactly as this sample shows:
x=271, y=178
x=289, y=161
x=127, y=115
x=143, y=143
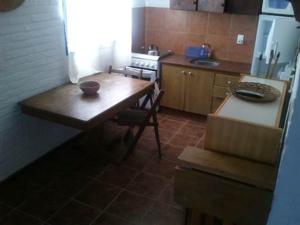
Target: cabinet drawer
x=220, y=92
x=216, y=102
x=224, y=80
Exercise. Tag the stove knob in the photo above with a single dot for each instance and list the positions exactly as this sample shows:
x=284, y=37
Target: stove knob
x=142, y=64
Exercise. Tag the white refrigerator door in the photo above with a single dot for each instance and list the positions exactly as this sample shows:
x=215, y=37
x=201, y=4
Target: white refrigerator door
x=277, y=7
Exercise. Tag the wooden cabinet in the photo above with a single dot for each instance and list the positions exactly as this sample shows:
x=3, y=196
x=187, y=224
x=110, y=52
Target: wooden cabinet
x=252, y=7
x=187, y=89
x=173, y=83
x=211, y=6
x=246, y=129
x=220, y=89
x=189, y=5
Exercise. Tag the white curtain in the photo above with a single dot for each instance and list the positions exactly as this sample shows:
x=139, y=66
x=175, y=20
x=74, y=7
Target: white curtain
x=98, y=34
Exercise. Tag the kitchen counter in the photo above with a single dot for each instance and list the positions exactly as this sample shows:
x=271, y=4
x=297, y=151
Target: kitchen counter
x=224, y=66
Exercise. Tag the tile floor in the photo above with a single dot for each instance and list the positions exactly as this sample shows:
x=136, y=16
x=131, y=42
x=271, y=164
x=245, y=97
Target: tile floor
x=78, y=183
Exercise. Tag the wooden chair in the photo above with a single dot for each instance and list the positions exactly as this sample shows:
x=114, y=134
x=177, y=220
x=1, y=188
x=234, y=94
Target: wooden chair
x=136, y=73
x=141, y=118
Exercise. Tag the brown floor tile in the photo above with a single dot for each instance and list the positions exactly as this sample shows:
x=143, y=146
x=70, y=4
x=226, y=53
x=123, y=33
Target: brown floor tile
x=148, y=145
x=18, y=218
x=130, y=207
x=192, y=130
x=119, y=175
x=183, y=141
x=107, y=219
x=74, y=213
x=171, y=124
x=98, y=194
x=42, y=172
x=90, y=168
x=4, y=210
x=138, y=159
x=170, y=152
x=167, y=196
x=44, y=204
x=147, y=185
x=15, y=190
x=70, y=184
x=162, y=214
x=162, y=167
x=164, y=135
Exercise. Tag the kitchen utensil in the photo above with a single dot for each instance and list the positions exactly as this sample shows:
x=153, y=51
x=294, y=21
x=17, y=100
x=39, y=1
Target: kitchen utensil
x=153, y=50
x=254, y=92
x=259, y=63
x=205, y=51
x=89, y=87
x=274, y=65
x=270, y=62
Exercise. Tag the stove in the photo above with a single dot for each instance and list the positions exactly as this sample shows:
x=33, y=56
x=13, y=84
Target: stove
x=148, y=62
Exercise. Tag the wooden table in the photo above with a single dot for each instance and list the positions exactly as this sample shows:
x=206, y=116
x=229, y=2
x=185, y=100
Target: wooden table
x=67, y=104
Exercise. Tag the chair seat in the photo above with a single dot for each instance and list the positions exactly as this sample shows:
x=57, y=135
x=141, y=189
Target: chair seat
x=132, y=117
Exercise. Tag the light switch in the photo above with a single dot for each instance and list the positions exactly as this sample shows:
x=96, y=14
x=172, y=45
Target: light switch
x=240, y=39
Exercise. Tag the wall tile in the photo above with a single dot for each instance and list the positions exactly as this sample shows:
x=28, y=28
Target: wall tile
x=176, y=20
x=243, y=24
x=219, y=24
x=220, y=45
x=241, y=53
x=155, y=18
x=177, y=30
x=197, y=22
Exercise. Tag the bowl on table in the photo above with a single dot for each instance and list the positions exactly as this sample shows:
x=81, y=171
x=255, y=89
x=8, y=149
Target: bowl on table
x=89, y=87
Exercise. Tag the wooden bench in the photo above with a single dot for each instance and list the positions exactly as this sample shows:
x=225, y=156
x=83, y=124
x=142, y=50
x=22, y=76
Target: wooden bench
x=234, y=189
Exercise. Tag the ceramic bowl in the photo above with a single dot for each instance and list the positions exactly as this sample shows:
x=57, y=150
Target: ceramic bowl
x=89, y=87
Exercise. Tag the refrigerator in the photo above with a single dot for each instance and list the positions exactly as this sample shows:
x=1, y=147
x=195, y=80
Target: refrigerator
x=277, y=41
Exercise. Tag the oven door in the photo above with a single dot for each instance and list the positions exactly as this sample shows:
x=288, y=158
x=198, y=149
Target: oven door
x=282, y=7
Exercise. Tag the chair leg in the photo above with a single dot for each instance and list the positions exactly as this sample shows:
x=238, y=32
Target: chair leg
x=134, y=142
x=157, y=139
x=157, y=134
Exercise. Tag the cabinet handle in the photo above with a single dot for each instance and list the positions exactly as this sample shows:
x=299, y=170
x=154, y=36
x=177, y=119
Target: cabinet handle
x=183, y=72
x=229, y=82
x=190, y=74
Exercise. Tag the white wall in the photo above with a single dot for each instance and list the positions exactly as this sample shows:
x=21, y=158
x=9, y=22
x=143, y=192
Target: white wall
x=158, y=3
x=286, y=202
x=32, y=60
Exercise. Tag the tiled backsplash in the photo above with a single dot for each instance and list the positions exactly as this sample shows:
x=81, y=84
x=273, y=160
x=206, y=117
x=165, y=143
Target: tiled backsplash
x=176, y=30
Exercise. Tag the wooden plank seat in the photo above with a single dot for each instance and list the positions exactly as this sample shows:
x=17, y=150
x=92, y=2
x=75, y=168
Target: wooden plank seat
x=233, y=189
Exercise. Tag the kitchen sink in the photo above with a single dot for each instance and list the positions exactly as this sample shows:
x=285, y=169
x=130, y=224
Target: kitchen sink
x=205, y=62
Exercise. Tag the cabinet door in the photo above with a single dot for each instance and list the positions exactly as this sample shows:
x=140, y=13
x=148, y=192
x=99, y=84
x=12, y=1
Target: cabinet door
x=211, y=5
x=190, y=5
x=252, y=7
x=198, y=93
x=173, y=83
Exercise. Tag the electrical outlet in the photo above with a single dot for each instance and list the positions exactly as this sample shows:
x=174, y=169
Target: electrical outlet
x=240, y=39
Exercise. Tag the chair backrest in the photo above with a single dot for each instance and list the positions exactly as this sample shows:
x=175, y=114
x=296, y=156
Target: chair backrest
x=136, y=73
x=154, y=103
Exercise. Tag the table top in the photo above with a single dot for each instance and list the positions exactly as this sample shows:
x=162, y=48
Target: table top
x=267, y=114
x=67, y=104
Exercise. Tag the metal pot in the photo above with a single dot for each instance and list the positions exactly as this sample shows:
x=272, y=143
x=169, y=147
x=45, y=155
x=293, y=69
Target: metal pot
x=153, y=50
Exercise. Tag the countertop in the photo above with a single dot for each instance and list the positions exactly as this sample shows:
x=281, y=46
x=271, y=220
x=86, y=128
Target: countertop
x=266, y=114
x=224, y=66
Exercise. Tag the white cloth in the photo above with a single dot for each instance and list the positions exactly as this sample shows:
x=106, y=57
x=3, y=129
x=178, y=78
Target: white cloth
x=98, y=35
